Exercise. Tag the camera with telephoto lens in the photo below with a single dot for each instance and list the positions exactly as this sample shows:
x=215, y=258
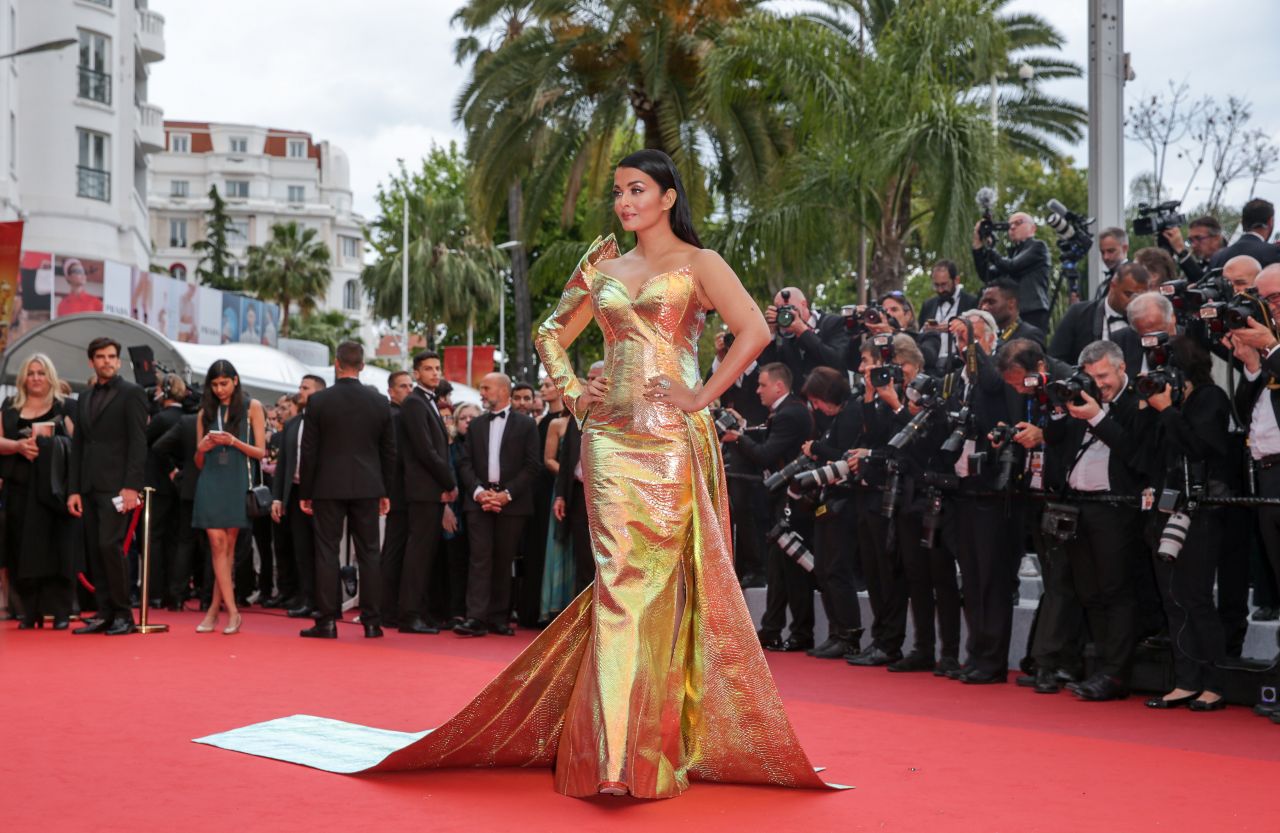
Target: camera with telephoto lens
x=923, y=391
x=830, y=474
x=783, y=476
x=988, y=227
x=1002, y=434
x=1173, y=536
x=792, y=545
x=1070, y=391
x=1152, y=220
x=1245, y=307
x=1161, y=372
x=725, y=421
x=785, y=315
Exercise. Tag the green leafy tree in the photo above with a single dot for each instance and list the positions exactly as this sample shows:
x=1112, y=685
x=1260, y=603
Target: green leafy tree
x=290, y=269
x=329, y=328
x=454, y=274
x=215, y=255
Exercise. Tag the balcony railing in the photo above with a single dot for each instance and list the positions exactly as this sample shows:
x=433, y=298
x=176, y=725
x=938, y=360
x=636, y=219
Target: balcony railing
x=93, y=183
x=94, y=85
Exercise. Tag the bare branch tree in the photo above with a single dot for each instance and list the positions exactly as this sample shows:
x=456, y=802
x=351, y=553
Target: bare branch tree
x=1225, y=143
x=1159, y=123
x=1261, y=157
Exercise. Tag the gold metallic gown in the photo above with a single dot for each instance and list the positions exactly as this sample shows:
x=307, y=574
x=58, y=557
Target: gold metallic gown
x=654, y=676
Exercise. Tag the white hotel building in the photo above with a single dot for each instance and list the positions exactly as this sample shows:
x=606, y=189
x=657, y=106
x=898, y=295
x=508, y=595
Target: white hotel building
x=76, y=125
x=266, y=176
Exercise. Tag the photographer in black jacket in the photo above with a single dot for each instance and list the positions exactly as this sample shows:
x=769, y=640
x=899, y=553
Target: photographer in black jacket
x=802, y=338
x=835, y=524
x=790, y=425
x=1205, y=236
x=1186, y=440
x=1027, y=264
x=1098, y=440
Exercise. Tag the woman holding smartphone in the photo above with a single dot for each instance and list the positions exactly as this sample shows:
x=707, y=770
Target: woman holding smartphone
x=231, y=430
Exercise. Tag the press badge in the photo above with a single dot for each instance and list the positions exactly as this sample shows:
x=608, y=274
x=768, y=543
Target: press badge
x=1036, y=465
x=1148, y=499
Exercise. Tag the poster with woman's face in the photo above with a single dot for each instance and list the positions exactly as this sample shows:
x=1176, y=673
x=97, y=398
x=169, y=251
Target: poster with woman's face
x=187, y=300
x=270, y=324
x=250, y=321
x=230, y=318
x=161, y=310
x=77, y=285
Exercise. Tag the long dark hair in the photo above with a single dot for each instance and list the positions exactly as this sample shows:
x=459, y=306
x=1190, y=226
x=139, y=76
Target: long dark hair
x=222, y=369
x=659, y=166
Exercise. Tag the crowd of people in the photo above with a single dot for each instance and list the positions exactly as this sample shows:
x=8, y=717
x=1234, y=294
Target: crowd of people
x=918, y=457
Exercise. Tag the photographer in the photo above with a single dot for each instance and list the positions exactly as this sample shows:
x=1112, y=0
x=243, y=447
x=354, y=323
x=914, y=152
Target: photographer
x=802, y=338
x=887, y=364
x=1159, y=265
x=1027, y=265
x=1056, y=641
x=790, y=424
x=1000, y=298
x=1205, y=237
x=1102, y=319
x=1258, y=219
x=835, y=527
x=1113, y=248
x=975, y=527
x=1186, y=435
x=1097, y=438
x=948, y=301
x=1241, y=271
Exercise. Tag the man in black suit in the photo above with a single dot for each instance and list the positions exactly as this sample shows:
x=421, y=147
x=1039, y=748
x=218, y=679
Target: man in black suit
x=1113, y=249
x=166, y=588
x=812, y=339
x=399, y=386
x=1205, y=237
x=428, y=486
x=790, y=425
x=1027, y=265
x=1100, y=447
x=498, y=471
x=1102, y=319
x=108, y=467
x=570, y=505
x=1258, y=219
x=948, y=301
x=178, y=448
x=1000, y=298
x=297, y=574
x=348, y=462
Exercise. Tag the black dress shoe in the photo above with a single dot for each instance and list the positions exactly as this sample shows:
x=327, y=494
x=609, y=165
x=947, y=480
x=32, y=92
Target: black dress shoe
x=945, y=666
x=1171, y=703
x=773, y=643
x=826, y=645
x=417, y=626
x=372, y=631
x=874, y=657
x=320, y=630
x=1207, y=705
x=471, y=627
x=1100, y=688
x=503, y=630
x=1046, y=681
x=1265, y=614
x=956, y=673
x=1157, y=641
x=93, y=626
x=1025, y=680
x=61, y=624
x=1266, y=709
x=792, y=645
x=912, y=662
x=300, y=612
x=30, y=624
x=122, y=627
x=835, y=650
x=976, y=677
x=274, y=602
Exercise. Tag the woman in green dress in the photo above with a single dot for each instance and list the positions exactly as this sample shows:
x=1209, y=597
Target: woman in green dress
x=231, y=430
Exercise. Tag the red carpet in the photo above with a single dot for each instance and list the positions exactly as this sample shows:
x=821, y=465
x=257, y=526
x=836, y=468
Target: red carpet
x=95, y=735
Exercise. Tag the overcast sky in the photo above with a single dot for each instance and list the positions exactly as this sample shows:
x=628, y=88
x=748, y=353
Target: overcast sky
x=378, y=79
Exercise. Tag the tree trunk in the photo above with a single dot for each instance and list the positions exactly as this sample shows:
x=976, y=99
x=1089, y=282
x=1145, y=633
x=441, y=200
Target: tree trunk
x=284, y=317
x=888, y=263
x=520, y=285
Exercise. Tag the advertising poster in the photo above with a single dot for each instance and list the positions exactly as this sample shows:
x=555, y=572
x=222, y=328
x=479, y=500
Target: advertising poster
x=250, y=321
x=209, y=314
x=117, y=283
x=77, y=284
x=35, y=293
x=270, y=324
x=161, y=311
x=10, y=264
x=230, y=318
x=140, y=298
x=186, y=301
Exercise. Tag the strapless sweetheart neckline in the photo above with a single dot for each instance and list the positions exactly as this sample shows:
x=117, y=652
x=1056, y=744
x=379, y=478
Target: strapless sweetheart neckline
x=643, y=284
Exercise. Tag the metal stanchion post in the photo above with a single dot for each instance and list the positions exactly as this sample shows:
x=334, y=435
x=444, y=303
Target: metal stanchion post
x=145, y=626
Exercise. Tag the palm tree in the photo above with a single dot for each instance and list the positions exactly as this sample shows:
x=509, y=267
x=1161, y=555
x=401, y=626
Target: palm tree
x=454, y=276
x=291, y=268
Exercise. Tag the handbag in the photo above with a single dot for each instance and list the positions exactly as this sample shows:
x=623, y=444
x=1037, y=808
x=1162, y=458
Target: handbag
x=257, y=500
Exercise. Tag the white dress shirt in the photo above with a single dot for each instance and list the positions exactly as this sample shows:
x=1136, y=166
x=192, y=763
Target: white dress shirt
x=497, y=427
x=1091, y=473
x=1264, y=433
x=1109, y=326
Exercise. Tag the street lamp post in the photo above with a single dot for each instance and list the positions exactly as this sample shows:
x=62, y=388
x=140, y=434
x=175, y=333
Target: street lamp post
x=502, y=311
x=404, y=289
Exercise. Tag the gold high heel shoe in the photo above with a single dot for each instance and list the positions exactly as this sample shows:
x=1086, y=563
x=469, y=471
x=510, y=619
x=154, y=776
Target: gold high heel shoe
x=233, y=624
x=207, y=625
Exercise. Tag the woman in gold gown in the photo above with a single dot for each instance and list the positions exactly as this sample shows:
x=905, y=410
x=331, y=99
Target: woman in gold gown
x=654, y=676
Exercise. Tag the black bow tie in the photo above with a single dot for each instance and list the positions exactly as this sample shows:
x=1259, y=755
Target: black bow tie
x=1111, y=319
x=499, y=414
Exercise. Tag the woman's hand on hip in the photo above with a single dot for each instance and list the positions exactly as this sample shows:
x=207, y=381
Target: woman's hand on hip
x=662, y=388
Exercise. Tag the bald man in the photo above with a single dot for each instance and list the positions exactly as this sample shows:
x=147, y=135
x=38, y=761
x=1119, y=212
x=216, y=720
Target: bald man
x=812, y=339
x=1241, y=271
x=1026, y=265
x=498, y=470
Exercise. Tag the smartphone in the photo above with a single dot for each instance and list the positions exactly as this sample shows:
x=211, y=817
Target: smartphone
x=118, y=503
